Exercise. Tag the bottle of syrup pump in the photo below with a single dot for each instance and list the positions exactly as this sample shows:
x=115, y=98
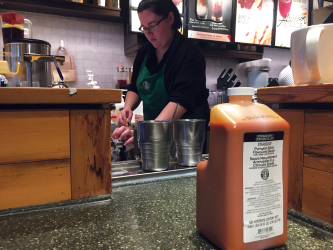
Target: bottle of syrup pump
x=242, y=190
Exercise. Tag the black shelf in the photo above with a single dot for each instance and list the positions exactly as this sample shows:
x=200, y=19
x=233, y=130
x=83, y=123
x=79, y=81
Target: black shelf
x=65, y=8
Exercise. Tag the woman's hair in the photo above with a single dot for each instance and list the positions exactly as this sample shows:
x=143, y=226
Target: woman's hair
x=162, y=8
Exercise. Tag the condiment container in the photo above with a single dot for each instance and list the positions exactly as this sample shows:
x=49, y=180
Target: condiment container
x=242, y=190
x=130, y=73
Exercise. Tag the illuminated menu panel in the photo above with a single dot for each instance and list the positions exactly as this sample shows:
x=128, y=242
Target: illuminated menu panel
x=210, y=20
x=292, y=15
x=180, y=5
x=135, y=21
x=254, y=21
x=135, y=3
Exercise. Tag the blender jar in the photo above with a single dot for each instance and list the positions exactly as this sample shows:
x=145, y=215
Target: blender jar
x=12, y=25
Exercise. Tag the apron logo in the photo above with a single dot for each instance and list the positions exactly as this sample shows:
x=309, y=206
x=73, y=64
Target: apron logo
x=146, y=85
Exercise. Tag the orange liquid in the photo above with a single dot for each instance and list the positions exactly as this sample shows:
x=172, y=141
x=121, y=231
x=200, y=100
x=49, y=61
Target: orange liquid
x=220, y=179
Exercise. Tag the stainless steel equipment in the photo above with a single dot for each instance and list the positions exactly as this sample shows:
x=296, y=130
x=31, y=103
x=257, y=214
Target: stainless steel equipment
x=189, y=136
x=38, y=58
x=154, y=138
x=41, y=72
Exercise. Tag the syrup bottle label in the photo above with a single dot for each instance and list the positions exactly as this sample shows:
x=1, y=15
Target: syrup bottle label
x=262, y=186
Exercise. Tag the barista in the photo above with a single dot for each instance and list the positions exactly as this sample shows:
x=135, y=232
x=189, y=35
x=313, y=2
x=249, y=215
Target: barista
x=170, y=69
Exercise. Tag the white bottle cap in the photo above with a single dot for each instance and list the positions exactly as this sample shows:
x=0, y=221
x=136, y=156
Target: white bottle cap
x=241, y=91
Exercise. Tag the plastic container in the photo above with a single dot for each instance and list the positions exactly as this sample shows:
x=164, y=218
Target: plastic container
x=242, y=190
x=122, y=76
x=130, y=73
x=257, y=72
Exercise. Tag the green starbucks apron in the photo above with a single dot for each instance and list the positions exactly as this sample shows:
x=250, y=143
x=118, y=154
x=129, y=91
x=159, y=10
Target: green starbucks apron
x=152, y=91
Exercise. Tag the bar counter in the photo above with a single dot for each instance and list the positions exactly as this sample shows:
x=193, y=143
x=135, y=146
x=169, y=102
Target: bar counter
x=152, y=215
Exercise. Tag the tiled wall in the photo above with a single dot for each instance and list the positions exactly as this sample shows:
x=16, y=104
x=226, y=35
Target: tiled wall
x=99, y=46
x=95, y=45
x=280, y=59
x=214, y=67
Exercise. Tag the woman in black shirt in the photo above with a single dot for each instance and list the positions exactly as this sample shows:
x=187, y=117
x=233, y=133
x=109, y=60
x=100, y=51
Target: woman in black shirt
x=170, y=69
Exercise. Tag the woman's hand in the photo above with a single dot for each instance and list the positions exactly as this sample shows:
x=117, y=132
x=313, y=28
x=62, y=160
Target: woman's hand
x=123, y=134
x=124, y=117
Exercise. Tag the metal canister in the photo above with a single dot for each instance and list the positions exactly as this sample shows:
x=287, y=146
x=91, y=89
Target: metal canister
x=41, y=71
x=189, y=136
x=154, y=138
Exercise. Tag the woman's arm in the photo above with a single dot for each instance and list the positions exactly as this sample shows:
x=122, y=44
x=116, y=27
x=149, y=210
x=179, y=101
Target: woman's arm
x=167, y=112
x=132, y=101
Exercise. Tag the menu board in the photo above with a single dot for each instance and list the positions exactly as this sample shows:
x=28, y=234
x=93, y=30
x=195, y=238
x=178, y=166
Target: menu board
x=210, y=19
x=254, y=21
x=292, y=15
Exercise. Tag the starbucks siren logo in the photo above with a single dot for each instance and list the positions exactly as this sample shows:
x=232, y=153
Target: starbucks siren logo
x=146, y=85
x=265, y=174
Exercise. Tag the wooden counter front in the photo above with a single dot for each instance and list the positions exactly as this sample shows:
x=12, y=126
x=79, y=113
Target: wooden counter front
x=54, y=146
x=309, y=111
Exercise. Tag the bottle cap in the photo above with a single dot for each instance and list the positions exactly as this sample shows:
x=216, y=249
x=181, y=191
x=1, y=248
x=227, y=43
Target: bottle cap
x=241, y=91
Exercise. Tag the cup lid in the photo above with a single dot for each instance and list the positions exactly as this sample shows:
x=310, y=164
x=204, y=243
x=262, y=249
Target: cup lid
x=12, y=18
x=241, y=91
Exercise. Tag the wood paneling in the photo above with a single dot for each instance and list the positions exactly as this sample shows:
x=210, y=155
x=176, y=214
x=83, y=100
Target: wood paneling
x=318, y=194
x=311, y=93
x=295, y=118
x=90, y=152
x=318, y=133
x=32, y=183
x=34, y=135
x=318, y=162
x=58, y=96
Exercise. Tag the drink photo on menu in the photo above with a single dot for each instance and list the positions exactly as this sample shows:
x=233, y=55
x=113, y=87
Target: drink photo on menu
x=210, y=19
x=210, y=10
x=217, y=13
x=202, y=9
x=284, y=7
x=292, y=15
x=254, y=21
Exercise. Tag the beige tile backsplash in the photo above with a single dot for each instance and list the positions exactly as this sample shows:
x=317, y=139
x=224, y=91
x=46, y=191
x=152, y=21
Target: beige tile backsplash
x=99, y=46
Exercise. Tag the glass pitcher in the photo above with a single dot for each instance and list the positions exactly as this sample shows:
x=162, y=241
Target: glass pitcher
x=12, y=26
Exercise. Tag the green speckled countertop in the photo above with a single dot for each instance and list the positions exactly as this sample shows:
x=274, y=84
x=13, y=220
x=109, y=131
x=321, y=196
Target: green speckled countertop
x=158, y=215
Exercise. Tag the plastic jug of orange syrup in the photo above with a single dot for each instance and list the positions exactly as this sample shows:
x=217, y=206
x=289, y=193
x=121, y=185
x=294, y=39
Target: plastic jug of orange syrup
x=242, y=190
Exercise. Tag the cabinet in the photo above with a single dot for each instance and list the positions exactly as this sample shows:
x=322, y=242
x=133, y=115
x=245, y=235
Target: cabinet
x=35, y=157
x=54, y=146
x=65, y=8
x=309, y=111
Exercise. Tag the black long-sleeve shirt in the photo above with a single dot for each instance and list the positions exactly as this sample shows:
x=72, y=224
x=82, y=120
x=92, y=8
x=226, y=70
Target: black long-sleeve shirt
x=184, y=76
